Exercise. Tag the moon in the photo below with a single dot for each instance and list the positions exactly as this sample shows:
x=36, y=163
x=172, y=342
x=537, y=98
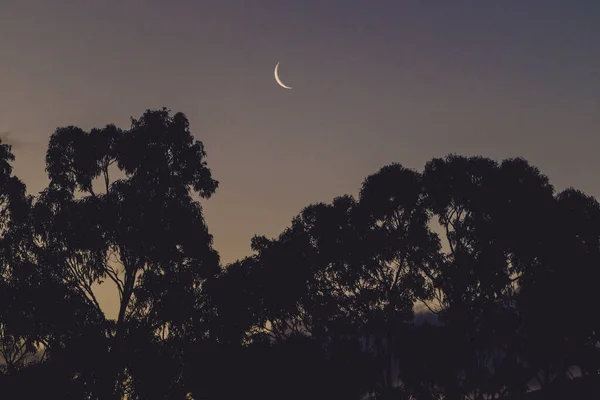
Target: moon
x=279, y=80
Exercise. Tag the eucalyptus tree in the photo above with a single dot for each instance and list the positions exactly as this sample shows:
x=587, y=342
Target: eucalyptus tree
x=345, y=274
x=121, y=207
x=17, y=346
x=494, y=218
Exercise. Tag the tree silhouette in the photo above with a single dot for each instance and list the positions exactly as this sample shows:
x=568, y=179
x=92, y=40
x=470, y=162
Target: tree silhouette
x=356, y=269
x=557, y=336
x=16, y=344
x=333, y=307
x=145, y=233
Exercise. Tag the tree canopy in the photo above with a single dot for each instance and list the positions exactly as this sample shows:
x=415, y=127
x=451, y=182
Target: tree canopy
x=471, y=279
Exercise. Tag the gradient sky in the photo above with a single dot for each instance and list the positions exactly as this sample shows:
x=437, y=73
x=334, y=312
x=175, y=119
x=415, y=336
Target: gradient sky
x=374, y=82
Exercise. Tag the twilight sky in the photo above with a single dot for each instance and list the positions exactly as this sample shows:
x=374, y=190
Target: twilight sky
x=374, y=82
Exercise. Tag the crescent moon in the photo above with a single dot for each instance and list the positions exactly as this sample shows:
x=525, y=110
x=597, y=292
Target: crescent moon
x=279, y=80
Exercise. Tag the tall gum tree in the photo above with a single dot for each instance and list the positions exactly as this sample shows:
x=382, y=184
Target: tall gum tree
x=17, y=345
x=144, y=231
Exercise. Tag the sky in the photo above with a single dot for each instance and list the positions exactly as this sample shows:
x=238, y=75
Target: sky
x=375, y=82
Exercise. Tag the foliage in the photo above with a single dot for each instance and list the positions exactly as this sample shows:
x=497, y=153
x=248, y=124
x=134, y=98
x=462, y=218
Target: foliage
x=501, y=267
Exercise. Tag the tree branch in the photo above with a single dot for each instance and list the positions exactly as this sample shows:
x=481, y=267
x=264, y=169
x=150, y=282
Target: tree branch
x=113, y=275
x=83, y=286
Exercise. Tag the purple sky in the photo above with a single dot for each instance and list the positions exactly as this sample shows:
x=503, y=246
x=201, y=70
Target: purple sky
x=374, y=82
